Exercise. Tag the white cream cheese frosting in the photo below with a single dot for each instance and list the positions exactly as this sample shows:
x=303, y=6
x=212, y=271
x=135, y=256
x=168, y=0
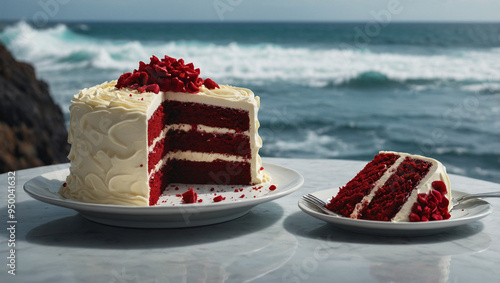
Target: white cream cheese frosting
x=109, y=147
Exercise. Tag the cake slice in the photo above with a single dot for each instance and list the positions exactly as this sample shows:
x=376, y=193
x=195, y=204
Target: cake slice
x=396, y=187
x=158, y=125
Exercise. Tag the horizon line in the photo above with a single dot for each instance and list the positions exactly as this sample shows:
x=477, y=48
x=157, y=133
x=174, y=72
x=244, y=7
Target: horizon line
x=251, y=21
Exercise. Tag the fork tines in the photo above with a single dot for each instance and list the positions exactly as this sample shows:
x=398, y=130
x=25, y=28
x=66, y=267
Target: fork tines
x=314, y=200
x=318, y=203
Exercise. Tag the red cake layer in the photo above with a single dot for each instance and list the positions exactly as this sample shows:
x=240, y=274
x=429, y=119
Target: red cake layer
x=156, y=123
x=233, y=144
x=352, y=193
x=175, y=112
x=208, y=115
x=394, y=193
x=217, y=172
x=157, y=154
x=157, y=184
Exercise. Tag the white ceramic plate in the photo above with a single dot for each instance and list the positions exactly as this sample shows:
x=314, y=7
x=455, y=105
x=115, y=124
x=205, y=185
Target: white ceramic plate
x=461, y=214
x=172, y=213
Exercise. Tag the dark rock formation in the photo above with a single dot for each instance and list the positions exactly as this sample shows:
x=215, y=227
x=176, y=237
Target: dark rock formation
x=32, y=130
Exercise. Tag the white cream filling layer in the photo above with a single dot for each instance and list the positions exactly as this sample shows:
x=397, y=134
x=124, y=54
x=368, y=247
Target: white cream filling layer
x=196, y=156
x=188, y=127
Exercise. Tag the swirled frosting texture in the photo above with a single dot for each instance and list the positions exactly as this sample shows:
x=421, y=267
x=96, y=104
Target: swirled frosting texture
x=108, y=134
x=108, y=150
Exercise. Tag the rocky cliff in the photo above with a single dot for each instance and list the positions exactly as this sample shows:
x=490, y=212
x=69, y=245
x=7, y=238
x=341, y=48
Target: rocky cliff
x=32, y=131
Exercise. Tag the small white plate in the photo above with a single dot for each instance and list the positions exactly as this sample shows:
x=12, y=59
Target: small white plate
x=171, y=213
x=461, y=214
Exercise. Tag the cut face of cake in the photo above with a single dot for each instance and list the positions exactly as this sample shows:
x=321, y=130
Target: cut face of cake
x=160, y=124
x=396, y=187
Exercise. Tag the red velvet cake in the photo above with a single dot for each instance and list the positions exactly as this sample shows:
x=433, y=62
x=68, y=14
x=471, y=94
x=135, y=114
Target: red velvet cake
x=161, y=124
x=396, y=187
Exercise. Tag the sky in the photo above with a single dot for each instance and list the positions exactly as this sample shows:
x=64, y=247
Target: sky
x=251, y=10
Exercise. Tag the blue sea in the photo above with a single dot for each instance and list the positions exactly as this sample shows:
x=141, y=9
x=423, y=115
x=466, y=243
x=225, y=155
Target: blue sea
x=328, y=90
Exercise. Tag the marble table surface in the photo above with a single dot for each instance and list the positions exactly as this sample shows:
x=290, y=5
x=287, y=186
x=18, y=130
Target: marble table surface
x=274, y=242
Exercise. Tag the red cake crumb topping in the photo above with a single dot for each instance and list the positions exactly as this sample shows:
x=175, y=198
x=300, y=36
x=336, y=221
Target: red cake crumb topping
x=242, y=196
x=440, y=186
x=432, y=206
x=210, y=84
x=190, y=196
x=167, y=74
x=272, y=187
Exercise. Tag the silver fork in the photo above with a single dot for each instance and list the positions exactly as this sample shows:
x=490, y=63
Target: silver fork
x=320, y=204
x=458, y=200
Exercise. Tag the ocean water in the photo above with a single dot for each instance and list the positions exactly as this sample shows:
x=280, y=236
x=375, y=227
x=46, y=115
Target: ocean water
x=328, y=90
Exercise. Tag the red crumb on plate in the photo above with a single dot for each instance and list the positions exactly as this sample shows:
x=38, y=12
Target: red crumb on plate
x=219, y=198
x=190, y=196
